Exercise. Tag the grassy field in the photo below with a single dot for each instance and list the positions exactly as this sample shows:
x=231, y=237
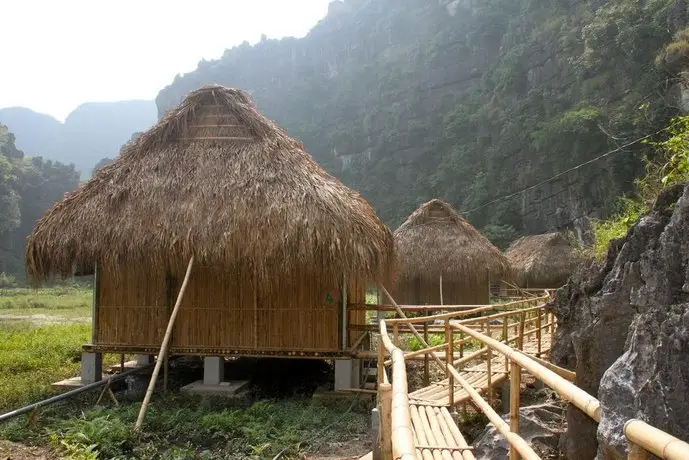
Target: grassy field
x=41, y=334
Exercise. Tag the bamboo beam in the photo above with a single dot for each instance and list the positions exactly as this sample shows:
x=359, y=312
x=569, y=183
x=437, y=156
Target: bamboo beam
x=656, y=441
x=163, y=348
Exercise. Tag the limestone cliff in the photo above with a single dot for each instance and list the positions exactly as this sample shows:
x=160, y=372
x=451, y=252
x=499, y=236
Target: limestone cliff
x=623, y=327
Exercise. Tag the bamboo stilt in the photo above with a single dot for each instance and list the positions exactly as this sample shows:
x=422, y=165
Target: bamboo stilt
x=449, y=360
x=385, y=392
x=515, y=393
x=520, y=342
x=163, y=348
x=538, y=332
x=489, y=371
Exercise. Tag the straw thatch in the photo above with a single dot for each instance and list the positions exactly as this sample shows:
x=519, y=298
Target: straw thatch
x=543, y=261
x=435, y=240
x=216, y=179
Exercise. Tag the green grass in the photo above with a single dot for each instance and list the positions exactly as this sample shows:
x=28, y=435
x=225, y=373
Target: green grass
x=31, y=358
x=186, y=427
x=66, y=302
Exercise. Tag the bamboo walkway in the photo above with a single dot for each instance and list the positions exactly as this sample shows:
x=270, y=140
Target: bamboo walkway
x=420, y=425
x=438, y=394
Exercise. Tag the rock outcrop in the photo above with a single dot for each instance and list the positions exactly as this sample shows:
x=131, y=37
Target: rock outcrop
x=540, y=425
x=616, y=314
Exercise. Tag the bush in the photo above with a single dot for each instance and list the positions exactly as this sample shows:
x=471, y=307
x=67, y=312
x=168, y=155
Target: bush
x=605, y=231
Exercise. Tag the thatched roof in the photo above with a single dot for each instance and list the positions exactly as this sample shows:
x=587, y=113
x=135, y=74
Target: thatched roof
x=436, y=240
x=216, y=179
x=543, y=260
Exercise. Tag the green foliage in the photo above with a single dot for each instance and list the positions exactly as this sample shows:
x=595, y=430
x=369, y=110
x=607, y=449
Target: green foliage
x=670, y=163
x=629, y=212
x=28, y=186
x=32, y=358
x=500, y=235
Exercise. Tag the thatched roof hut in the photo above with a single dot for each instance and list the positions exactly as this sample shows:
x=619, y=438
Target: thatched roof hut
x=436, y=241
x=215, y=179
x=543, y=261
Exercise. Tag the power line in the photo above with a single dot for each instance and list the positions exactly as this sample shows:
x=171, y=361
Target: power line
x=567, y=171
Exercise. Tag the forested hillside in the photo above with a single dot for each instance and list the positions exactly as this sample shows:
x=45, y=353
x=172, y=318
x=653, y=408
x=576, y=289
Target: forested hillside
x=406, y=100
x=28, y=186
x=92, y=131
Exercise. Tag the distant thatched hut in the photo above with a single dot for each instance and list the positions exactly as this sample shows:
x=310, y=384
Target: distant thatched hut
x=273, y=236
x=543, y=261
x=434, y=242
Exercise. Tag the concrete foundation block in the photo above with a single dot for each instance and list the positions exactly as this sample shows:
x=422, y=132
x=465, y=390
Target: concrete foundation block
x=229, y=389
x=91, y=367
x=375, y=431
x=144, y=360
x=213, y=370
x=347, y=373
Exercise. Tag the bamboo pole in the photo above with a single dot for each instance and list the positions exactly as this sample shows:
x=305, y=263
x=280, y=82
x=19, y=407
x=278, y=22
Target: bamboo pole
x=656, y=441
x=515, y=393
x=163, y=349
x=385, y=391
x=538, y=332
x=567, y=390
x=381, y=359
x=522, y=319
x=449, y=361
x=505, y=340
x=426, y=374
x=489, y=371
x=441, y=289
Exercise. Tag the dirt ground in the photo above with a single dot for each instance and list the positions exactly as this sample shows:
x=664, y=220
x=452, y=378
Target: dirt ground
x=13, y=451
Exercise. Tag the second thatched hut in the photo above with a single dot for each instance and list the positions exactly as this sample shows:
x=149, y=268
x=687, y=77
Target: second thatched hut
x=543, y=261
x=436, y=245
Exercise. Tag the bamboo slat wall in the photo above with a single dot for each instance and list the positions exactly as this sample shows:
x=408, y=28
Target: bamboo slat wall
x=222, y=310
x=473, y=291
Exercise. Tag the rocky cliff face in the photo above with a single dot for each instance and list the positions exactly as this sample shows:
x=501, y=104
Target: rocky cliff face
x=622, y=327
x=408, y=100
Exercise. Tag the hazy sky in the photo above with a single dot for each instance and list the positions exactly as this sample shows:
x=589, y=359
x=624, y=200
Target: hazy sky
x=57, y=54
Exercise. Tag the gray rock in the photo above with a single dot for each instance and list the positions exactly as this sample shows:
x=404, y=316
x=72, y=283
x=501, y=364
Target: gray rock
x=541, y=426
x=644, y=271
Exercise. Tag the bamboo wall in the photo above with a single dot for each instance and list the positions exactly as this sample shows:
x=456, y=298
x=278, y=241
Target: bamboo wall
x=462, y=292
x=220, y=310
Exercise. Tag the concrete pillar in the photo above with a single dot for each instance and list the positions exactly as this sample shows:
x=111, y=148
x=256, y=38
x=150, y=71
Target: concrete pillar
x=347, y=373
x=505, y=397
x=213, y=370
x=144, y=360
x=375, y=429
x=91, y=367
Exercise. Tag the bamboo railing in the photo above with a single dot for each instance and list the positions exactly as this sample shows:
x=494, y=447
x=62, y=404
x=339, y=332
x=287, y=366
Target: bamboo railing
x=396, y=428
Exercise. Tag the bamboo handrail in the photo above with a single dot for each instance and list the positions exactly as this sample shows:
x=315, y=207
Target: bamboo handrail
x=656, y=441
x=566, y=389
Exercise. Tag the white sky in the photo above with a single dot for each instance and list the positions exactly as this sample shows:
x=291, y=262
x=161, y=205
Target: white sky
x=57, y=54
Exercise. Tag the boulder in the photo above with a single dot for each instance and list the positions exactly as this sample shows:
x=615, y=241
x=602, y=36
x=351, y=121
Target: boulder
x=540, y=425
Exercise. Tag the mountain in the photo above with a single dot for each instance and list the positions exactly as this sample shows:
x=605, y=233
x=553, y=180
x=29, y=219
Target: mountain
x=91, y=132
x=406, y=100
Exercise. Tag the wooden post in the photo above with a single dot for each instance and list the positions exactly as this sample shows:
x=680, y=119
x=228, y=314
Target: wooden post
x=461, y=344
x=94, y=307
x=441, y=290
x=166, y=372
x=426, y=375
x=489, y=370
x=449, y=359
x=381, y=360
x=520, y=340
x=163, y=348
x=505, y=339
x=396, y=335
x=345, y=319
x=636, y=452
x=538, y=331
x=515, y=389
x=385, y=416
x=255, y=311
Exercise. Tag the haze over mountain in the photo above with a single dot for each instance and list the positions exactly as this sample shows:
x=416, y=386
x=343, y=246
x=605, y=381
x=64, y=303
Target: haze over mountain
x=91, y=132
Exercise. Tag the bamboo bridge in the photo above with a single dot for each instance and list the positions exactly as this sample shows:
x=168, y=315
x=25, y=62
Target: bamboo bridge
x=484, y=348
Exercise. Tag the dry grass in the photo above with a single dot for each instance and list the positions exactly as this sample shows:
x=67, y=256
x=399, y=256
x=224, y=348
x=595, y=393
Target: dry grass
x=543, y=260
x=216, y=179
